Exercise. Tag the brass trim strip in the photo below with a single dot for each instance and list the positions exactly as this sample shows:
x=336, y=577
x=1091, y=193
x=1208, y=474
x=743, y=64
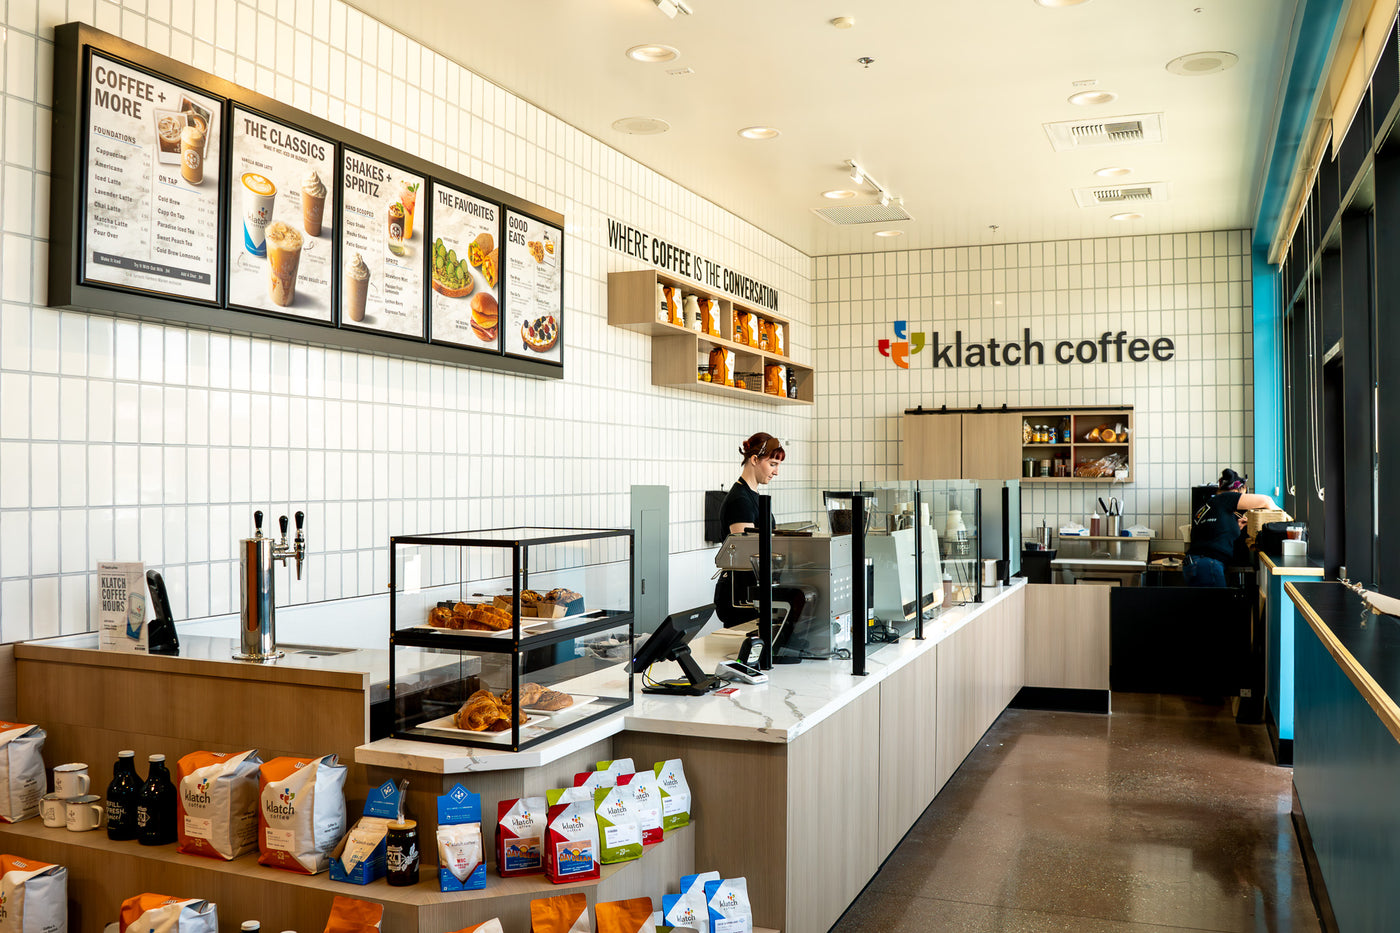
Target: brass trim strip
x=1370, y=691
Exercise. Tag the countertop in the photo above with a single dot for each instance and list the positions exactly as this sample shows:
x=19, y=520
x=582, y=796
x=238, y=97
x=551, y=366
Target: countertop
x=1298, y=565
x=1365, y=645
x=796, y=698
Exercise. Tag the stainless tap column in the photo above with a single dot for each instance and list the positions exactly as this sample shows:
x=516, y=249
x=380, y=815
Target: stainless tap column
x=257, y=636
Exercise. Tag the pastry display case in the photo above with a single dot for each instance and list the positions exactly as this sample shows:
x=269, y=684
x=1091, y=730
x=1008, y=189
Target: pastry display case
x=508, y=637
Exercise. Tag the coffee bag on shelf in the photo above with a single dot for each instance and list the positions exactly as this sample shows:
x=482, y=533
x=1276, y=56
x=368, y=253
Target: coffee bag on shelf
x=633, y=915
x=301, y=812
x=688, y=909
x=34, y=896
x=728, y=902
x=520, y=830
x=217, y=803
x=675, y=793
x=461, y=855
x=646, y=797
x=22, y=778
x=619, y=827
x=161, y=913
x=571, y=838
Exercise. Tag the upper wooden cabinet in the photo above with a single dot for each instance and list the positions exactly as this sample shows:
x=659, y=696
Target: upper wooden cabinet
x=1089, y=445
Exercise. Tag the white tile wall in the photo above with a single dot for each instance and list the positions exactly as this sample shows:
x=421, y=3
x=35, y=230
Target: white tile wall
x=136, y=441
x=1193, y=415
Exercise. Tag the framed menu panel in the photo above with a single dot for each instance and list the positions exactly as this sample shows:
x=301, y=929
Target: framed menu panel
x=464, y=304
x=150, y=211
x=534, y=283
x=383, y=257
x=282, y=218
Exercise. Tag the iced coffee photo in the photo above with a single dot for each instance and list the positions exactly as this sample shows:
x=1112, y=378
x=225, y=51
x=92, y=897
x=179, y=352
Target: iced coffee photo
x=283, y=258
x=168, y=126
x=192, y=154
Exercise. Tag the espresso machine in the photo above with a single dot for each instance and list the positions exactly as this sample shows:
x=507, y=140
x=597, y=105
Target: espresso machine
x=257, y=626
x=820, y=562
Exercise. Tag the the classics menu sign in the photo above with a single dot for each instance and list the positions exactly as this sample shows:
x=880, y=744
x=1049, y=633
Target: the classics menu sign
x=282, y=212
x=152, y=185
x=534, y=287
x=382, y=252
x=466, y=261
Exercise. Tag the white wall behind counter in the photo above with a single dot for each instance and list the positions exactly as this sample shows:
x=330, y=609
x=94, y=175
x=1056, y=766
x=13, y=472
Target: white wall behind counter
x=134, y=441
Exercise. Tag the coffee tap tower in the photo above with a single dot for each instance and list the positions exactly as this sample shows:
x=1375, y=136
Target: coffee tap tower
x=257, y=629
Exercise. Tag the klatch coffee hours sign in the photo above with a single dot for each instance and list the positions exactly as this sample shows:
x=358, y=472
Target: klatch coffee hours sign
x=382, y=253
x=282, y=215
x=152, y=183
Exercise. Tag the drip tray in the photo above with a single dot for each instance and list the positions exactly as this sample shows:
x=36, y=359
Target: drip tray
x=311, y=651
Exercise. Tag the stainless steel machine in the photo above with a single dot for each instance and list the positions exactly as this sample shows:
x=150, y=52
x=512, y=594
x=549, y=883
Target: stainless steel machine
x=818, y=561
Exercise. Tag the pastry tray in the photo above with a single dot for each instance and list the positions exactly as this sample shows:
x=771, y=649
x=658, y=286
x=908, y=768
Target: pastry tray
x=529, y=730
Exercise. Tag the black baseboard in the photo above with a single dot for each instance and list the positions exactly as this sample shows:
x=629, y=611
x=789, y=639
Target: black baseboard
x=1317, y=886
x=1283, y=748
x=1062, y=699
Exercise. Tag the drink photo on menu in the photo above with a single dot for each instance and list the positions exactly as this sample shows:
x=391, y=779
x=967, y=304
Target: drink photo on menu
x=281, y=219
x=534, y=288
x=151, y=201
x=383, y=256
x=464, y=305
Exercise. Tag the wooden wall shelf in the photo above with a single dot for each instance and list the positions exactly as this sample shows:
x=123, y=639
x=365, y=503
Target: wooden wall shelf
x=676, y=351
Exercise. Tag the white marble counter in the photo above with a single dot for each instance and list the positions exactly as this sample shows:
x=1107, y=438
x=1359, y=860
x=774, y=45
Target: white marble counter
x=796, y=698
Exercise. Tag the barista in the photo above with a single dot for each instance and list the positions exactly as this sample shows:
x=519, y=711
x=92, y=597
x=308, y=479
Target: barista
x=1216, y=530
x=763, y=454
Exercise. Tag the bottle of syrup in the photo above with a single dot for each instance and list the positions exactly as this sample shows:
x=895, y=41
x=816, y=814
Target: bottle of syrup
x=121, y=797
x=155, y=806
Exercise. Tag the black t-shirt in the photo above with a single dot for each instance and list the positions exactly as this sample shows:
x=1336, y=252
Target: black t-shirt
x=1214, y=528
x=741, y=505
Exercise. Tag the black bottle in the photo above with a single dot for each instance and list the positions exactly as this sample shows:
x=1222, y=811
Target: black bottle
x=155, y=806
x=121, y=797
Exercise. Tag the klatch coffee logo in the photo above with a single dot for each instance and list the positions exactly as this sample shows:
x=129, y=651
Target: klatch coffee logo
x=1109, y=347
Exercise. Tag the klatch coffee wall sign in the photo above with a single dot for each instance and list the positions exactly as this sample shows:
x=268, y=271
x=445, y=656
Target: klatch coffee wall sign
x=1108, y=347
x=152, y=151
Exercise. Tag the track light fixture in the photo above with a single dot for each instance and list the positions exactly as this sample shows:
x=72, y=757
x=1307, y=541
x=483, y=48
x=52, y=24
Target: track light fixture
x=861, y=177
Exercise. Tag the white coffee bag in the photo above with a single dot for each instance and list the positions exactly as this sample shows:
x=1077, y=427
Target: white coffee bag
x=33, y=896
x=22, y=778
x=160, y=913
x=218, y=803
x=675, y=793
x=688, y=909
x=301, y=812
x=728, y=901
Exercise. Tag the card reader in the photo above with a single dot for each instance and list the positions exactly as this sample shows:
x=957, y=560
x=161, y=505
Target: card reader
x=738, y=670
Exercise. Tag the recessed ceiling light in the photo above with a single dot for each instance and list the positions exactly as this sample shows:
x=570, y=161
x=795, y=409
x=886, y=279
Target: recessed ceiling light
x=1127, y=215
x=838, y=194
x=758, y=132
x=1085, y=98
x=1202, y=63
x=641, y=126
x=652, y=53
x=1112, y=171
x=889, y=233
x=844, y=22
x=1054, y=4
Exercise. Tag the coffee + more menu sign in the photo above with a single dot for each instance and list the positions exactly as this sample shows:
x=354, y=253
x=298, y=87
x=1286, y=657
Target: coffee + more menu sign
x=151, y=196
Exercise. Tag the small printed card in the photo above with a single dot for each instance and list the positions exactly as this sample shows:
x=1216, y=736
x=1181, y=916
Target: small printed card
x=121, y=607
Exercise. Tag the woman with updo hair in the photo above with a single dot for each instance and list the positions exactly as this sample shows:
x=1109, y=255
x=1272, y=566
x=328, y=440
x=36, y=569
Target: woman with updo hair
x=762, y=455
x=1216, y=527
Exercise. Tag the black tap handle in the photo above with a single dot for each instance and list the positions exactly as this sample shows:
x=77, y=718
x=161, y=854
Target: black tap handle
x=300, y=517
x=257, y=521
x=282, y=523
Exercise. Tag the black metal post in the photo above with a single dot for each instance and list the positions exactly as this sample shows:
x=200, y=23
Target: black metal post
x=765, y=582
x=918, y=564
x=858, y=607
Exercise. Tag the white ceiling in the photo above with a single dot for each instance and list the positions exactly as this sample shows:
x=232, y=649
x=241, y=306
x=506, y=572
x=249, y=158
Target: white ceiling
x=950, y=115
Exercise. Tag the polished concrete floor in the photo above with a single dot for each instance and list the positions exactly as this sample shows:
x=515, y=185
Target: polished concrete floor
x=1164, y=816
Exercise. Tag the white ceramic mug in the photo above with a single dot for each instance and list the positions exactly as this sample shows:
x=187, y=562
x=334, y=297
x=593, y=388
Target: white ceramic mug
x=83, y=813
x=71, y=780
x=51, y=809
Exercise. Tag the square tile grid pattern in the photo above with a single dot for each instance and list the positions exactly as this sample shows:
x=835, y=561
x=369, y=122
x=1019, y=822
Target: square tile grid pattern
x=128, y=440
x=1193, y=415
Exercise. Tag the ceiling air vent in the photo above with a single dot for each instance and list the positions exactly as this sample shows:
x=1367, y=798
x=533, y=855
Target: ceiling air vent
x=1122, y=194
x=862, y=214
x=1115, y=131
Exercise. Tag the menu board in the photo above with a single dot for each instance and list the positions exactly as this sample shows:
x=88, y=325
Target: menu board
x=464, y=306
x=383, y=259
x=534, y=288
x=151, y=199
x=281, y=218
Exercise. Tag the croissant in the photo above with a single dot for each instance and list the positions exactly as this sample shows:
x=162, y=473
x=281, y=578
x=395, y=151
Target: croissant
x=529, y=693
x=440, y=617
x=488, y=617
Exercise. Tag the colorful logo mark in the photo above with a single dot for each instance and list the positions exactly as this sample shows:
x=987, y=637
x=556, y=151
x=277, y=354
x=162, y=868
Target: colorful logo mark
x=202, y=787
x=903, y=345
x=287, y=795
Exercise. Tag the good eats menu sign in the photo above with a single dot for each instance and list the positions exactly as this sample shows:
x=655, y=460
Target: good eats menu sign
x=152, y=191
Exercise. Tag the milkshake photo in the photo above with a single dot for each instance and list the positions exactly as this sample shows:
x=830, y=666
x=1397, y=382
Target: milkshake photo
x=281, y=234
x=383, y=270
